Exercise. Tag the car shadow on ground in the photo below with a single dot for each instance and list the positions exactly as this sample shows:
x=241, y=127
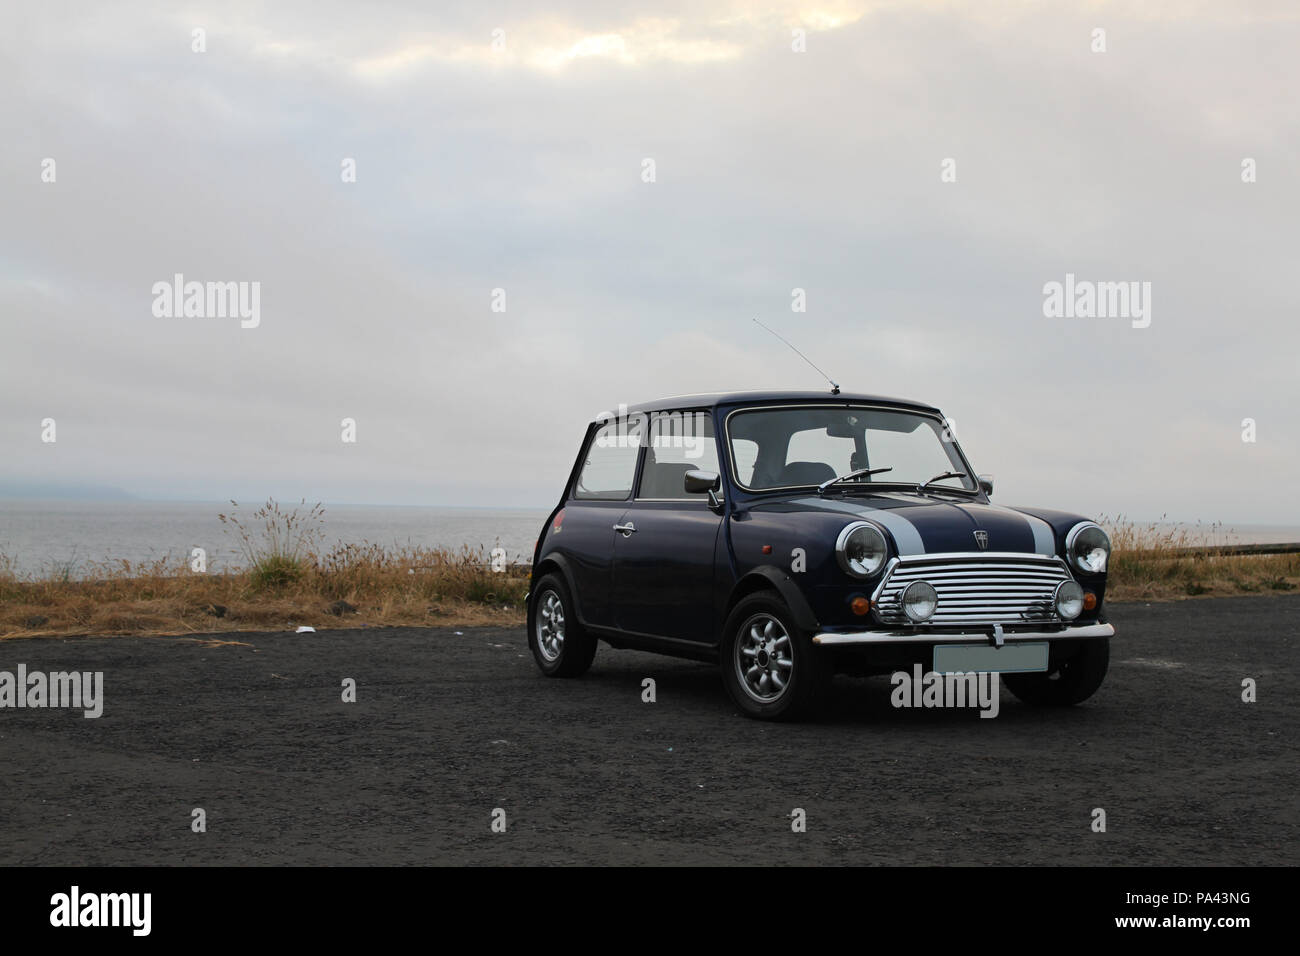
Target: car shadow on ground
x=851, y=700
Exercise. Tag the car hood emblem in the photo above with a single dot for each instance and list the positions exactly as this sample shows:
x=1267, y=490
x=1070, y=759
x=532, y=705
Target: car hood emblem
x=982, y=539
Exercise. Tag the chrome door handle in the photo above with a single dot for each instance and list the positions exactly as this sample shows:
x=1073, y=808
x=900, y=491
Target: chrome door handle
x=625, y=529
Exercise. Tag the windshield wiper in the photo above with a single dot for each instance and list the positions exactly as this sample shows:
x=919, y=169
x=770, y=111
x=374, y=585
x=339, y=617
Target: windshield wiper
x=947, y=474
x=821, y=489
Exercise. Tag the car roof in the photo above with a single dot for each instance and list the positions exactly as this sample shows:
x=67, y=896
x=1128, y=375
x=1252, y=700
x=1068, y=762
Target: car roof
x=764, y=397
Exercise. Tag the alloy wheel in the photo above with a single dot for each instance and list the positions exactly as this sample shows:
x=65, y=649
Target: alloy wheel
x=764, y=658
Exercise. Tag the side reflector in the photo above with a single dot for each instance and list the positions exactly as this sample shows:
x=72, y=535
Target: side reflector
x=767, y=549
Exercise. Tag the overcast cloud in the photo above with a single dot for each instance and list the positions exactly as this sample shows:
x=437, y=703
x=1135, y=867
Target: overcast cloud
x=521, y=168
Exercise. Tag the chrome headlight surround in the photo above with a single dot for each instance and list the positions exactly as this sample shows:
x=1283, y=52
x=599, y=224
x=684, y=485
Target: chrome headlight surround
x=861, y=549
x=1087, y=548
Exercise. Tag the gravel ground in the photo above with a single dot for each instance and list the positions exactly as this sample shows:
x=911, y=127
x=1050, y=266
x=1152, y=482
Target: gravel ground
x=449, y=726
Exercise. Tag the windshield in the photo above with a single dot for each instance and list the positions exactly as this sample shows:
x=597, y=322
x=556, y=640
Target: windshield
x=807, y=445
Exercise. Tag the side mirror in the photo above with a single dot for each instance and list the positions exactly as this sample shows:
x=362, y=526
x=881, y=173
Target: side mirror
x=698, y=482
x=986, y=484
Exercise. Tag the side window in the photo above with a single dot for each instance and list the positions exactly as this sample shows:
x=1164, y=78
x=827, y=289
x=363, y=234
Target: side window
x=607, y=473
x=678, y=442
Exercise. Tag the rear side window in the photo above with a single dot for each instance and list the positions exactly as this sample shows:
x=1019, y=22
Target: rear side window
x=610, y=466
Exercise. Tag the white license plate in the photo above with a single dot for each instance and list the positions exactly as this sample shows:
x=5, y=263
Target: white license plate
x=1007, y=659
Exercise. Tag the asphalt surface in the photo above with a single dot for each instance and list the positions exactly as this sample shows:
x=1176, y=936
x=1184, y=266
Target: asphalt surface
x=448, y=727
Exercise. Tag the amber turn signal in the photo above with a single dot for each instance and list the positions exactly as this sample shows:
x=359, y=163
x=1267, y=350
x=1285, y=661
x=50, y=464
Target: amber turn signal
x=1089, y=600
x=860, y=605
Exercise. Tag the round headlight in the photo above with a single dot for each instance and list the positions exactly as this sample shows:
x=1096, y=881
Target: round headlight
x=919, y=601
x=1088, y=548
x=1069, y=600
x=861, y=549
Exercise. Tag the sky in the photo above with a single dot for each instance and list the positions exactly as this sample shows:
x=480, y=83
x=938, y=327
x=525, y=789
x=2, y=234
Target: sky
x=472, y=227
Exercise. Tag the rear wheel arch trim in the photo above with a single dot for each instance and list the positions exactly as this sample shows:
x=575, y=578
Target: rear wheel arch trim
x=557, y=564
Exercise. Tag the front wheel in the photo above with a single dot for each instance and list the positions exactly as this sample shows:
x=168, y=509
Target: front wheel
x=560, y=645
x=1072, y=681
x=769, y=666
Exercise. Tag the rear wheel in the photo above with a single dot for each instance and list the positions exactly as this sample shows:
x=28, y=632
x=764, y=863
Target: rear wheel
x=1072, y=681
x=560, y=645
x=769, y=666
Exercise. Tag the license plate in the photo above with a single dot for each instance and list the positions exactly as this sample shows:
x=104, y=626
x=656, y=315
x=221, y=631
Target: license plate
x=1007, y=659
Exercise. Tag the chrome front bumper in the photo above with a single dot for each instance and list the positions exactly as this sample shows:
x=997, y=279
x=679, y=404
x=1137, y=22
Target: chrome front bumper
x=994, y=634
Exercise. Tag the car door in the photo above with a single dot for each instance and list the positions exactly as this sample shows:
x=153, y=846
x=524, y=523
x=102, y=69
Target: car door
x=664, y=556
x=599, y=499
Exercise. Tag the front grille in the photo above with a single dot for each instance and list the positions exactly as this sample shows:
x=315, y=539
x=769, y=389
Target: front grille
x=975, y=589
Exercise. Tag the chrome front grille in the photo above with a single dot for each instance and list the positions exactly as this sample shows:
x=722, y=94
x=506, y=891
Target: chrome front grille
x=975, y=588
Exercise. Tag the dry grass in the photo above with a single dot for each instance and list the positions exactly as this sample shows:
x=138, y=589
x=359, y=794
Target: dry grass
x=288, y=583
x=415, y=587
x=1158, y=562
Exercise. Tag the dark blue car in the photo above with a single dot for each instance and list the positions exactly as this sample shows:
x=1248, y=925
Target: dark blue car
x=787, y=536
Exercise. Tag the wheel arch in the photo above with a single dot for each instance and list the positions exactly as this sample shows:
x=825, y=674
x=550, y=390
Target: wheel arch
x=555, y=563
x=768, y=578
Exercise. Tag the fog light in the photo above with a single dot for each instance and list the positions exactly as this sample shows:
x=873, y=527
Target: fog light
x=1069, y=600
x=860, y=605
x=919, y=601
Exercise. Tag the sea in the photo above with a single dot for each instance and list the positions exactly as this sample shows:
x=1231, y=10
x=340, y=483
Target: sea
x=41, y=538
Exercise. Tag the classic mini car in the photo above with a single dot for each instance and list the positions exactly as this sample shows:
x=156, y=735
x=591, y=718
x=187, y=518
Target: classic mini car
x=787, y=536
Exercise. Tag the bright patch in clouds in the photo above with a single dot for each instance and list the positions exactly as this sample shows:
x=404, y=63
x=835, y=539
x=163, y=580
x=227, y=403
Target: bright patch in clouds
x=553, y=46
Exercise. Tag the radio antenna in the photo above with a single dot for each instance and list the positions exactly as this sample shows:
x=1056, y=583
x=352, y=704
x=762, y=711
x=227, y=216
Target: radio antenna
x=835, y=389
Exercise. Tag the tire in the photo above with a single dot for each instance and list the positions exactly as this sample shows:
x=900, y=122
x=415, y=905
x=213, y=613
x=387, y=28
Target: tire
x=1074, y=680
x=566, y=651
x=760, y=635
